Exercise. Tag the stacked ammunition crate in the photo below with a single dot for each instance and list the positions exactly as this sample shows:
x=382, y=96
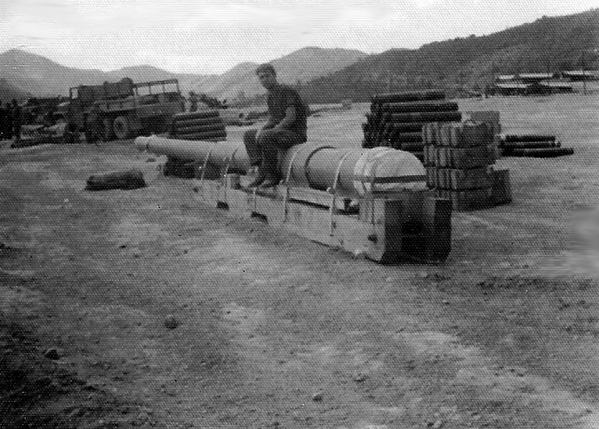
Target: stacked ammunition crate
x=206, y=125
x=459, y=162
x=396, y=120
x=531, y=145
x=489, y=117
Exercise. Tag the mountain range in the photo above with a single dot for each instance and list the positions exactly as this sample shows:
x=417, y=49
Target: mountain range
x=25, y=74
x=549, y=44
x=300, y=66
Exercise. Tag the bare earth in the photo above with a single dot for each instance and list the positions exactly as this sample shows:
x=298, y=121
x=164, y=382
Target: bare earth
x=271, y=330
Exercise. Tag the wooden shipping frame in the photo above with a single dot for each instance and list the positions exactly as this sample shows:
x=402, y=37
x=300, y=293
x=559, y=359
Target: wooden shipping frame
x=409, y=225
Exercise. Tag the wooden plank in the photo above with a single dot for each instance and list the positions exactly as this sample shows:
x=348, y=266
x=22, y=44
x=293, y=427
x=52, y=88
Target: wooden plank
x=444, y=136
x=431, y=177
x=502, y=190
x=442, y=157
x=308, y=195
x=440, y=178
x=435, y=244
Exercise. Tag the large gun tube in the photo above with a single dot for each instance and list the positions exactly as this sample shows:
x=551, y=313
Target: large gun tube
x=350, y=171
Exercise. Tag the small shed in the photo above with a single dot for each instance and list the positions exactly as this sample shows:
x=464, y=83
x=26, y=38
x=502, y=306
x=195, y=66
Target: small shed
x=513, y=88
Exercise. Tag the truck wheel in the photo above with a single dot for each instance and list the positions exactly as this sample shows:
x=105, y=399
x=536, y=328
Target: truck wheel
x=107, y=129
x=121, y=128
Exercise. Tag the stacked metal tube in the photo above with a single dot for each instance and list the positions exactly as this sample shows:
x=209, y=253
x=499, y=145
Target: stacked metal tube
x=204, y=125
x=198, y=126
x=396, y=120
x=531, y=145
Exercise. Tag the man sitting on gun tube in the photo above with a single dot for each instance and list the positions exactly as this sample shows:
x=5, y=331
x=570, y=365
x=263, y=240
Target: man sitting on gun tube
x=286, y=126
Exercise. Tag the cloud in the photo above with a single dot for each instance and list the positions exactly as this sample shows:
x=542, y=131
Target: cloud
x=421, y=4
x=210, y=36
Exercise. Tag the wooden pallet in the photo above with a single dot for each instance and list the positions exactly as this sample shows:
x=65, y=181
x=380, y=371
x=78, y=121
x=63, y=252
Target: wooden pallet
x=386, y=228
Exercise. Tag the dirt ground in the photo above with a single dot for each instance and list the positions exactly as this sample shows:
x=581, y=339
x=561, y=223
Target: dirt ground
x=146, y=308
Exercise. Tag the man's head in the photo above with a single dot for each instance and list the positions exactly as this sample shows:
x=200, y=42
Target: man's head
x=267, y=76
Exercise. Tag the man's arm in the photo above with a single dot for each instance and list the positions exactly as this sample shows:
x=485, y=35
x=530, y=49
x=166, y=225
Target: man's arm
x=289, y=119
x=270, y=123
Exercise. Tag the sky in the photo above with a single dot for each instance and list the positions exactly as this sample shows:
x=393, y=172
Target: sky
x=211, y=37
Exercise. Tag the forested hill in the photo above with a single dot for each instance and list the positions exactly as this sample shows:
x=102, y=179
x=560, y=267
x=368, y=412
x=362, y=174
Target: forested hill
x=546, y=45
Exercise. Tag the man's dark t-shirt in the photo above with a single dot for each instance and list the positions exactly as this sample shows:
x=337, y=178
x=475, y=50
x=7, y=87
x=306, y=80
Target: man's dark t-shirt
x=279, y=100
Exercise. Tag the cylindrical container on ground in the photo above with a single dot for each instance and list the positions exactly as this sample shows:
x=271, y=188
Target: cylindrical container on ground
x=188, y=123
x=543, y=152
x=198, y=114
x=408, y=96
x=530, y=145
x=425, y=117
x=200, y=136
x=527, y=138
x=420, y=107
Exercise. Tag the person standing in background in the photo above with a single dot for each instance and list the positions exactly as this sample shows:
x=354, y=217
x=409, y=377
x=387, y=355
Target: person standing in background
x=3, y=119
x=93, y=125
x=8, y=122
x=16, y=120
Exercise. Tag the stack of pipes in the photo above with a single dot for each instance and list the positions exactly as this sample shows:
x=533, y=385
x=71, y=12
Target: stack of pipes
x=530, y=145
x=396, y=119
x=204, y=125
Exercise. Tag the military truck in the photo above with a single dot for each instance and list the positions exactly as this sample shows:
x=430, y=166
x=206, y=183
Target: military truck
x=126, y=109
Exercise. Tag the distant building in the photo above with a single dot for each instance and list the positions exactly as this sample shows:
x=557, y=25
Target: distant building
x=558, y=86
x=505, y=77
x=534, y=77
x=530, y=84
x=511, y=88
x=580, y=75
x=525, y=77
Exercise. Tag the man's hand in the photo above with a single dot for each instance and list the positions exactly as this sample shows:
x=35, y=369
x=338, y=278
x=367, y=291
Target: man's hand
x=270, y=124
x=289, y=118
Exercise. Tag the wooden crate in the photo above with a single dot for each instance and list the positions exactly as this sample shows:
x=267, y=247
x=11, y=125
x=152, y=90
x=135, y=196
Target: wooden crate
x=465, y=158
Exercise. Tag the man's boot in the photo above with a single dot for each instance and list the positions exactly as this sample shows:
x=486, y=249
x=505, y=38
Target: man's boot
x=270, y=181
x=260, y=178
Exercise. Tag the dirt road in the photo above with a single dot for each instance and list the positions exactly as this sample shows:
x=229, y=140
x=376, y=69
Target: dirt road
x=145, y=308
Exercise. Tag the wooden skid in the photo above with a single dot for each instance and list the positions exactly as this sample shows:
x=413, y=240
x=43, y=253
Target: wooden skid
x=386, y=228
